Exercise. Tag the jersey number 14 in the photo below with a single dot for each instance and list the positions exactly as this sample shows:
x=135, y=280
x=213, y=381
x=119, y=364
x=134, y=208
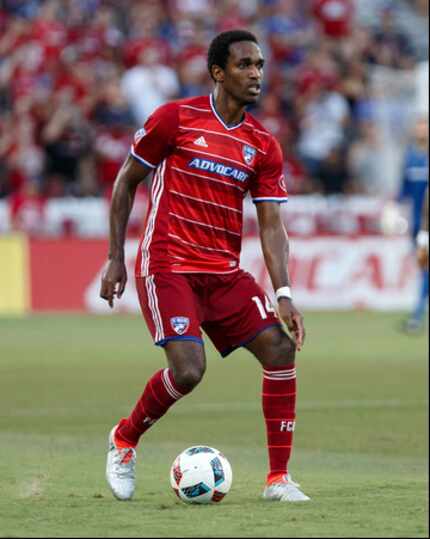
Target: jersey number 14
x=264, y=309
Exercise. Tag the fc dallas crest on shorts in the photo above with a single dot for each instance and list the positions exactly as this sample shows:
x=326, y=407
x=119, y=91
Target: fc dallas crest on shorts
x=180, y=324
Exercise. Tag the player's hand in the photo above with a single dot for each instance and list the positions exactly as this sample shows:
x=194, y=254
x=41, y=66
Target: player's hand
x=114, y=279
x=423, y=257
x=294, y=321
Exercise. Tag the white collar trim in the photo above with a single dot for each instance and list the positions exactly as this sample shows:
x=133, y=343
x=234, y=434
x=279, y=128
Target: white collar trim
x=218, y=117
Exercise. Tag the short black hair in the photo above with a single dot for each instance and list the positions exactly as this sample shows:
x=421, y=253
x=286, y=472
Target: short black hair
x=219, y=49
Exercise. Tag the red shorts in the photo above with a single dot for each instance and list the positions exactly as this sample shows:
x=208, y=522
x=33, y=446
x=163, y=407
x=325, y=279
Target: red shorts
x=232, y=309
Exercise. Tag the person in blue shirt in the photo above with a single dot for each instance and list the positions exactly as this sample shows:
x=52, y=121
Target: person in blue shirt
x=413, y=191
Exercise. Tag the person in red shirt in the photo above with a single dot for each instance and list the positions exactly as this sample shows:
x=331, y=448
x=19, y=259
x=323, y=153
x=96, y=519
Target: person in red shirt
x=206, y=153
x=334, y=17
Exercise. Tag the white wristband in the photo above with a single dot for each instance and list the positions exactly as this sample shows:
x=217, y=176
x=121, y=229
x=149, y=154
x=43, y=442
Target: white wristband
x=283, y=292
x=423, y=239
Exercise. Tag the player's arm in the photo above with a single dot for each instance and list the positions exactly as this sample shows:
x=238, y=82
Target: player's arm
x=275, y=245
x=114, y=276
x=423, y=234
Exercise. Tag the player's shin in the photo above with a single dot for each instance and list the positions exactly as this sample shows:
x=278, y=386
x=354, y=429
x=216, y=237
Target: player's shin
x=161, y=391
x=279, y=409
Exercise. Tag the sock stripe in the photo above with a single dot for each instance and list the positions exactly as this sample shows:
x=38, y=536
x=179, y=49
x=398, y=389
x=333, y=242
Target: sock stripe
x=280, y=371
x=278, y=446
x=286, y=374
x=169, y=387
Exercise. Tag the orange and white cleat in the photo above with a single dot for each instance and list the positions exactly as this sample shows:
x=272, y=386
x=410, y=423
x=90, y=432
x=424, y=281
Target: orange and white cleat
x=120, y=468
x=284, y=489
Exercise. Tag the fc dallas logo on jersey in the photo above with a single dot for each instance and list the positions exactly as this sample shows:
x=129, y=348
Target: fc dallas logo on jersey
x=248, y=153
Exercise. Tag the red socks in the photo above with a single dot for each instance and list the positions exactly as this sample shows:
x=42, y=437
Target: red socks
x=279, y=409
x=160, y=393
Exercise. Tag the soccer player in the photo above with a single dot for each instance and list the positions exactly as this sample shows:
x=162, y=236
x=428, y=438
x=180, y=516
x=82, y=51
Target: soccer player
x=413, y=189
x=206, y=153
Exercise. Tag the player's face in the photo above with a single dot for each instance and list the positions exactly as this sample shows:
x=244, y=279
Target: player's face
x=244, y=71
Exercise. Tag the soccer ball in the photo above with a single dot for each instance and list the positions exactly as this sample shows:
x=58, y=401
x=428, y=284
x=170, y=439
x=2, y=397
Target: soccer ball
x=201, y=474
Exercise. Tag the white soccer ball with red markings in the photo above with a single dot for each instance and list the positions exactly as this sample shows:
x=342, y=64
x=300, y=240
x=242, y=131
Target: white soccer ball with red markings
x=201, y=474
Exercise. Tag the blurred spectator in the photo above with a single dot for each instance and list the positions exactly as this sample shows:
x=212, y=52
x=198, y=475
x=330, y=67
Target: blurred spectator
x=324, y=118
x=335, y=17
x=191, y=60
x=289, y=32
x=49, y=31
x=296, y=177
x=364, y=161
x=24, y=160
x=271, y=115
x=66, y=140
x=412, y=19
x=112, y=108
x=353, y=85
x=332, y=174
x=391, y=47
x=149, y=84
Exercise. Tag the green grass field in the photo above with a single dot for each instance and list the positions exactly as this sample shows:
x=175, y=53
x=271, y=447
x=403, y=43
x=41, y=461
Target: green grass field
x=360, y=450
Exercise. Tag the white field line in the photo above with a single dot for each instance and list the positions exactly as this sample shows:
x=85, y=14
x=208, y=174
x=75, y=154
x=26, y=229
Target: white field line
x=183, y=407
x=303, y=405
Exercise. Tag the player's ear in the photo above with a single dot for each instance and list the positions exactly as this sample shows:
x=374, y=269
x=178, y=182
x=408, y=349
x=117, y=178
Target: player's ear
x=217, y=73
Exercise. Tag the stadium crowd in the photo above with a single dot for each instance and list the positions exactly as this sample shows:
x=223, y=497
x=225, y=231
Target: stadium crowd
x=78, y=77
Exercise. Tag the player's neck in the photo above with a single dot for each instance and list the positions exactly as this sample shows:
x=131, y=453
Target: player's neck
x=230, y=111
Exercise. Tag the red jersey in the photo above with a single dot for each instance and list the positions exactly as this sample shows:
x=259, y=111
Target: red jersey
x=203, y=170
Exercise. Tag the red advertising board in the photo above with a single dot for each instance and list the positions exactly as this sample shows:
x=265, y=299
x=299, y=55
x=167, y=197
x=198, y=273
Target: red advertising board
x=61, y=270
x=326, y=272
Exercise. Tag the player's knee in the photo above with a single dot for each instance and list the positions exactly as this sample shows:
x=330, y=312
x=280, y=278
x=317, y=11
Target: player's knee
x=188, y=366
x=282, y=352
x=189, y=376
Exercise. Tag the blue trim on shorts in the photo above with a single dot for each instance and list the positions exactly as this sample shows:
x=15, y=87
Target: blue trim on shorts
x=163, y=342
x=228, y=351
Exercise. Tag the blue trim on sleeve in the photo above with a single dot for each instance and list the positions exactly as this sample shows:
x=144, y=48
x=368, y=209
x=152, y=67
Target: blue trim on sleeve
x=141, y=159
x=228, y=351
x=163, y=342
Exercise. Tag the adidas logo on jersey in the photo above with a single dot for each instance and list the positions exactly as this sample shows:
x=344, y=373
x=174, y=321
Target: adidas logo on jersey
x=201, y=142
